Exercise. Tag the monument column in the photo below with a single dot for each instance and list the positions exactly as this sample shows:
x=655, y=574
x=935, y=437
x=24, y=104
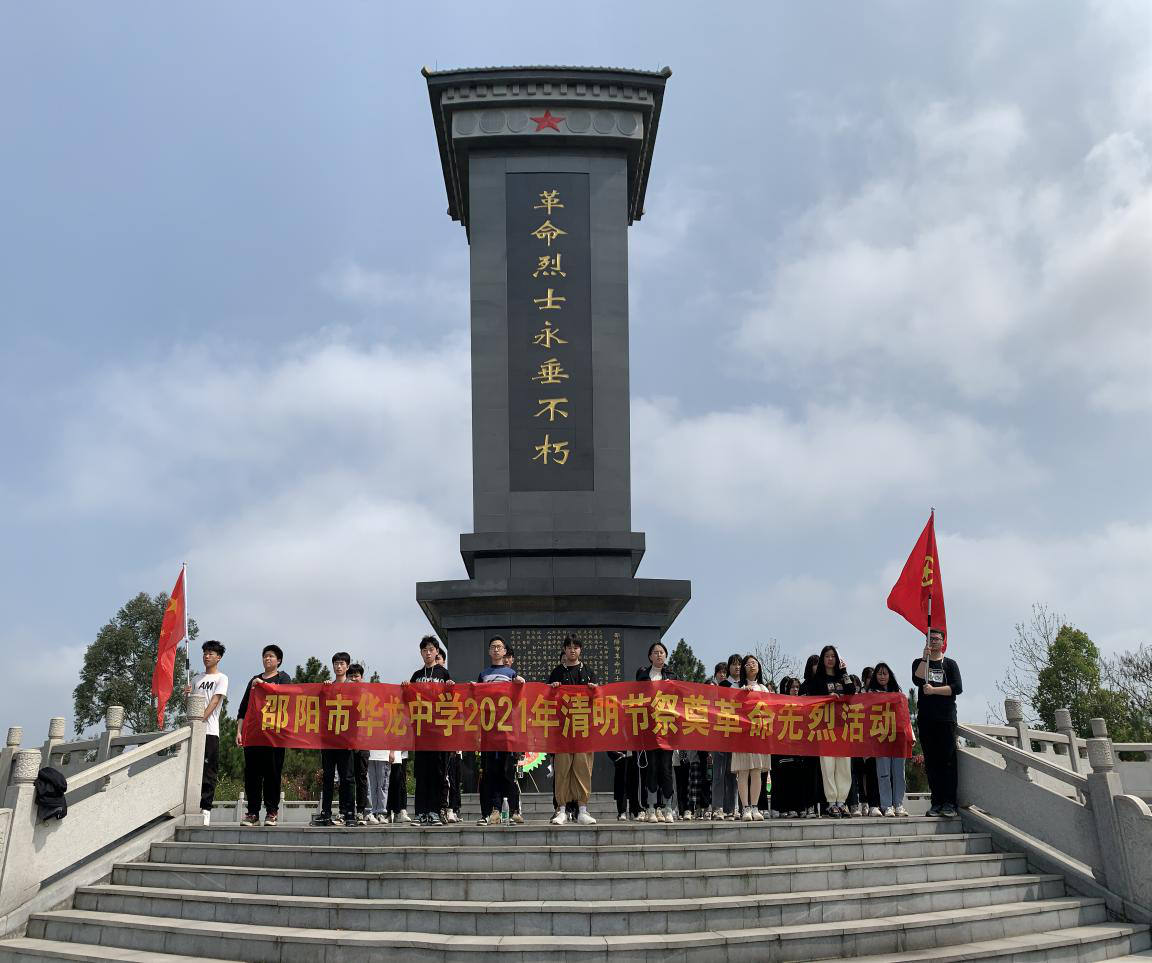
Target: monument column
x=546, y=168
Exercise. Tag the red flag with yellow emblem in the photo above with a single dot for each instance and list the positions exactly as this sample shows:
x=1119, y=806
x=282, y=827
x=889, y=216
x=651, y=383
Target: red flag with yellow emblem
x=918, y=594
x=173, y=631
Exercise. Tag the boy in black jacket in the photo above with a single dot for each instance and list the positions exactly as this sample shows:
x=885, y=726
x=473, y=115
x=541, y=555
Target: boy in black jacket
x=263, y=765
x=938, y=680
x=431, y=768
x=573, y=770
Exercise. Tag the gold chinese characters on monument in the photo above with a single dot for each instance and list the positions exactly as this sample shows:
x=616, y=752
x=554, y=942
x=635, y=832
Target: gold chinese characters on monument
x=551, y=371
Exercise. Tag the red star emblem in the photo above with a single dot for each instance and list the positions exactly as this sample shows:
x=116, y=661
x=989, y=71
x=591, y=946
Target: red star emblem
x=546, y=121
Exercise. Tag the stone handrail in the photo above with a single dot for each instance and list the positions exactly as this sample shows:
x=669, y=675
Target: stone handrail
x=1014, y=756
x=1082, y=825
x=156, y=778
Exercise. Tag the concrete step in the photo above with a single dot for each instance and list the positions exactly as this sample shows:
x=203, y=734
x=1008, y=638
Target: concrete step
x=559, y=858
x=283, y=944
x=548, y=885
x=561, y=917
x=27, y=950
x=1079, y=944
x=540, y=833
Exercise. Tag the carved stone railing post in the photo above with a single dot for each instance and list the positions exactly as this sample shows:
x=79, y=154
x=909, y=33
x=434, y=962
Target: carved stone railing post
x=113, y=725
x=1065, y=728
x=56, y=729
x=194, y=775
x=12, y=746
x=18, y=876
x=1014, y=712
x=1103, y=785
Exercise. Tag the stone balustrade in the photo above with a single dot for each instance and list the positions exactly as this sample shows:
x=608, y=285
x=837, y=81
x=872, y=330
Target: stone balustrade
x=118, y=789
x=1062, y=798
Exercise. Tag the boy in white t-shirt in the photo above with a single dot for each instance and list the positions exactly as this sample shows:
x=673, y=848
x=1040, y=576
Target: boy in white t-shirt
x=213, y=685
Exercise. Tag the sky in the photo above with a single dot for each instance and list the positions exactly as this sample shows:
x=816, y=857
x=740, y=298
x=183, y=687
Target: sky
x=895, y=256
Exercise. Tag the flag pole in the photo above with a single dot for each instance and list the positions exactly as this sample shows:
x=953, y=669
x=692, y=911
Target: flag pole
x=927, y=631
x=187, y=650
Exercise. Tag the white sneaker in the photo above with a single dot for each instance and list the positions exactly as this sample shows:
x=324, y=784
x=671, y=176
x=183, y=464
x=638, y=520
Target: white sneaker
x=877, y=811
x=746, y=815
x=585, y=818
x=622, y=818
x=900, y=811
x=452, y=817
x=371, y=819
x=655, y=816
x=560, y=818
x=757, y=815
x=669, y=816
x=403, y=817
x=855, y=810
x=207, y=814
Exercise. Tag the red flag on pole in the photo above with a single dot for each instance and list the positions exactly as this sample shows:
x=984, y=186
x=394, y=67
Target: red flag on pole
x=173, y=631
x=918, y=594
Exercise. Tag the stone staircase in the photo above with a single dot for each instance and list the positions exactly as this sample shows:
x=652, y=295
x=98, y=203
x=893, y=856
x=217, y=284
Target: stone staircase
x=781, y=890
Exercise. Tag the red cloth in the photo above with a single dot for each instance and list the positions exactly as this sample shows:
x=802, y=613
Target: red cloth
x=172, y=632
x=534, y=717
x=918, y=594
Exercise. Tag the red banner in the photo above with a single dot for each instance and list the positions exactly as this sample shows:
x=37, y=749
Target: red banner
x=534, y=717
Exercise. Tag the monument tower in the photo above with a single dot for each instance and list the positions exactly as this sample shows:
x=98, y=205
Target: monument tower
x=546, y=168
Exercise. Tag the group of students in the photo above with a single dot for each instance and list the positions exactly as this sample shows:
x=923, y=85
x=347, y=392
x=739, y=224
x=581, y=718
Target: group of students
x=372, y=784
x=752, y=786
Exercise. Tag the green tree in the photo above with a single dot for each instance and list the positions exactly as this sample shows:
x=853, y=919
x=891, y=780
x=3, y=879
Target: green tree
x=312, y=671
x=1071, y=680
x=684, y=663
x=118, y=669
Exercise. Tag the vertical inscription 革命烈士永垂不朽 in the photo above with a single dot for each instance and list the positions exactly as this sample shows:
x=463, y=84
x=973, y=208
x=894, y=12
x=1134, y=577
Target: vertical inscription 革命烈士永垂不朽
x=549, y=333
x=538, y=651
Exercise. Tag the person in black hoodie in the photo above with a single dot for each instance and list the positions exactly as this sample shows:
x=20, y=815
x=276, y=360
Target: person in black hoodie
x=812, y=793
x=790, y=796
x=659, y=770
x=831, y=678
x=263, y=765
x=431, y=768
x=573, y=770
x=938, y=680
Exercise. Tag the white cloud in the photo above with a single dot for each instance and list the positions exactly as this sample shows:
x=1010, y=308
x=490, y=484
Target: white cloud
x=969, y=258
x=201, y=426
x=741, y=468
x=319, y=568
x=442, y=291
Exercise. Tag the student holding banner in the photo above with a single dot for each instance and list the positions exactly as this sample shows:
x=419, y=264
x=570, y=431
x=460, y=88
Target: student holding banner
x=659, y=771
x=573, y=780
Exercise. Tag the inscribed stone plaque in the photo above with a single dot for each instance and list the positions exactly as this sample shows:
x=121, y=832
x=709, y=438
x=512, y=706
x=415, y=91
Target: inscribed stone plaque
x=549, y=333
x=538, y=650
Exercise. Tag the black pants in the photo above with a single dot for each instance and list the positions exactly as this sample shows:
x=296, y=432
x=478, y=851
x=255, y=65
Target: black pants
x=360, y=757
x=680, y=774
x=499, y=782
x=660, y=776
x=211, y=771
x=338, y=761
x=263, y=766
x=431, y=773
x=626, y=785
x=398, y=787
x=453, y=781
x=938, y=739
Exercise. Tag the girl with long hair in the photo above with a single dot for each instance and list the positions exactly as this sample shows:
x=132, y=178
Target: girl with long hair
x=748, y=766
x=889, y=771
x=831, y=679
